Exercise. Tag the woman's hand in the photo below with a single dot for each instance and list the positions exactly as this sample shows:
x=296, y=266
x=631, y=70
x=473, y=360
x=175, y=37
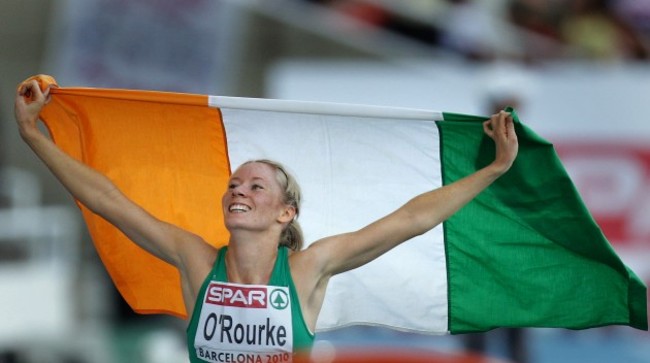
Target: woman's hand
x=500, y=128
x=29, y=102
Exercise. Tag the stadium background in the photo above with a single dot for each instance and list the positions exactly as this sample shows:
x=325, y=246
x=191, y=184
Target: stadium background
x=577, y=71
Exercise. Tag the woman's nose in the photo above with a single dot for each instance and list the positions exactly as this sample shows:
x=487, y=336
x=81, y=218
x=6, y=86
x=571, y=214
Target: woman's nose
x=237, y=191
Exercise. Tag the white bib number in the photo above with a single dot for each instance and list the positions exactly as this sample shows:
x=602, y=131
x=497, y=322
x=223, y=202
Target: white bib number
x=244, y=323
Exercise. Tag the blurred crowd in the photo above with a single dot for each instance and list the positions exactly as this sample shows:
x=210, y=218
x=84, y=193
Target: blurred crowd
x=153, y=45
x=521, y=30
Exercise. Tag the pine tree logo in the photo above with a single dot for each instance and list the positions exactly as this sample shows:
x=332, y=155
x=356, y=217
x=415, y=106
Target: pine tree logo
x=279, y=299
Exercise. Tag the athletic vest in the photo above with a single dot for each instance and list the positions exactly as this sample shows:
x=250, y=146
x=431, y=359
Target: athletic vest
x=247, y=323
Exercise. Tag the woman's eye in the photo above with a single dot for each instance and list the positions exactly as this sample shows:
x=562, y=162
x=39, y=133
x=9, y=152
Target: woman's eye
x=232, y=186
x=257, y=186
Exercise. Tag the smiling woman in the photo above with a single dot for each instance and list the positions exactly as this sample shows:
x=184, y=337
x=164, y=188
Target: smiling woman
x=292, y=235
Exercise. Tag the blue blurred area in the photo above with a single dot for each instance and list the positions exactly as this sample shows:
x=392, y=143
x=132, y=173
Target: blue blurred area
x=603, y=345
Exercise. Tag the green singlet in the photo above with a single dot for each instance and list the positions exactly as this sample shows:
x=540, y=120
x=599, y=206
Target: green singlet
x=237, y=322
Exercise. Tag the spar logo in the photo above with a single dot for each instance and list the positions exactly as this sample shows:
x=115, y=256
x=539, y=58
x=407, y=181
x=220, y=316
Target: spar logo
x=237, y=296
x=279, y=299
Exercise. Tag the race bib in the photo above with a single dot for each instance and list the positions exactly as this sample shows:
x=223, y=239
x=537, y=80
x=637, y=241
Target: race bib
x=244, y=323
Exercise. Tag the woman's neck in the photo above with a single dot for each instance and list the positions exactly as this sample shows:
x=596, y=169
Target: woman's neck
x=250, y=261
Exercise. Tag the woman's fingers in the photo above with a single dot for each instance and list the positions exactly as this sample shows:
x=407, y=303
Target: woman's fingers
x=30, y=91
x=500, y=128
x=496, y=124
x=487, y=128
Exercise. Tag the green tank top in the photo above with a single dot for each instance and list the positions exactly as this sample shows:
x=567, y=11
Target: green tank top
x=236, y=322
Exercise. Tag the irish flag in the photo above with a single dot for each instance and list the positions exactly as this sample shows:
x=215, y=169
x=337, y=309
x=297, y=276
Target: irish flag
x=524, y=253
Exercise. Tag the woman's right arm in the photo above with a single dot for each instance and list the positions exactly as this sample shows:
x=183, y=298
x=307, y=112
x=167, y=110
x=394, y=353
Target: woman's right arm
x=97, y=192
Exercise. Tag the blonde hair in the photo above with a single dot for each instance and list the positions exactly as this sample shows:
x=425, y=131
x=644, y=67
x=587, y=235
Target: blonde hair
x=291, y=236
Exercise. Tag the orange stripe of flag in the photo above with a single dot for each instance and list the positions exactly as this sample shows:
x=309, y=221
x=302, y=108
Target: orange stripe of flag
x=165, y=151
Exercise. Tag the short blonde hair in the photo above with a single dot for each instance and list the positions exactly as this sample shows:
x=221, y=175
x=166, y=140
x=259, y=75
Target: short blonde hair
x=291, y=236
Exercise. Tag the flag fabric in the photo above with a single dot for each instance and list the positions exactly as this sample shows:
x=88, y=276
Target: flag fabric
x=524, y=253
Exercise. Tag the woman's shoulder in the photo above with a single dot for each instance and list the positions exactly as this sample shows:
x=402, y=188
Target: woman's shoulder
x=199, y=253
x=309, y=260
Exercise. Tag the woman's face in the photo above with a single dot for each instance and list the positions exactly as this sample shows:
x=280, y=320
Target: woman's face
x=254, y=199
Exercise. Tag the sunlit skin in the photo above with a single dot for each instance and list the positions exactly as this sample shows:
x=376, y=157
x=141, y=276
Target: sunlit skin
x=255, y=215
x=253, y=200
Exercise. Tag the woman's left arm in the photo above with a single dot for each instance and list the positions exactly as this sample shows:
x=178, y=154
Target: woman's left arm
x=336, y=254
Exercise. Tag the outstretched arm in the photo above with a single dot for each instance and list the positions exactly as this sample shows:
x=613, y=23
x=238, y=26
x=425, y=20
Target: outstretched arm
x=97, y=192
x=340, y=253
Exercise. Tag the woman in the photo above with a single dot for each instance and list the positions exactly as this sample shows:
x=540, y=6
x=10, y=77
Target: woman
x=260, y=207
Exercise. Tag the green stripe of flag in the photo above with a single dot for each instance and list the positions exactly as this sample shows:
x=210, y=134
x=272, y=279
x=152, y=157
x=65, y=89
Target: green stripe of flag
x=526, y=251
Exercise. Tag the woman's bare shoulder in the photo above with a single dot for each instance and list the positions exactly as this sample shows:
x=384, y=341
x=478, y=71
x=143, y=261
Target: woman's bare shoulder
x=197, y=256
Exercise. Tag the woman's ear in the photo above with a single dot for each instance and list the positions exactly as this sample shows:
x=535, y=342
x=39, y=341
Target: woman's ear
x=288, y=214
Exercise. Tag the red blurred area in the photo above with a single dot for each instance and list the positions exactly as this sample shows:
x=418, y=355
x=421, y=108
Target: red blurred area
x=613, y=179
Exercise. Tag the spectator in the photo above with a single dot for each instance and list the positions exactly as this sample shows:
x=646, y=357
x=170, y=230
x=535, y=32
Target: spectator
x=596, y=32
